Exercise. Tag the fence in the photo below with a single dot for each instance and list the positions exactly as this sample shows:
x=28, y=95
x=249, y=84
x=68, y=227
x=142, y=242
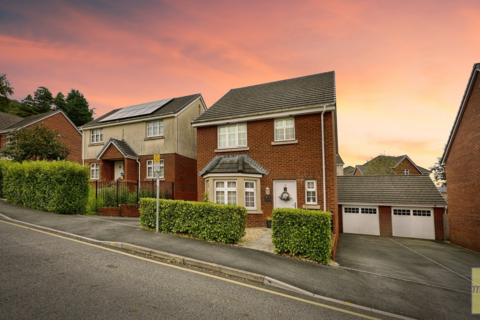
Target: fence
x=114, y=193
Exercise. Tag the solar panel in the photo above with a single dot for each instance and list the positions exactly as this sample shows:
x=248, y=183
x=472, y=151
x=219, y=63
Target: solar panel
x=137, y=110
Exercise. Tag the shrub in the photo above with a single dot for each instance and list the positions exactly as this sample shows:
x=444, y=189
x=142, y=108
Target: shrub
x=204, y=220
x=60, y=186
x=3, y=166
x=302, y=232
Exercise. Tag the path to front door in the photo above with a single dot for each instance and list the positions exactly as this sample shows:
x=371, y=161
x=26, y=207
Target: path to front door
x=281, y=187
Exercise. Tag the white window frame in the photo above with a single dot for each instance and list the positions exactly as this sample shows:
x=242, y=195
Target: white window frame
x=284, y=127
x=225, y=190
x=314, y=190
x=155, y=124
x=149, y=164
x=94, y=171
x=96, y=136
x=406, y=172
x=227, y=145
x=245, y=190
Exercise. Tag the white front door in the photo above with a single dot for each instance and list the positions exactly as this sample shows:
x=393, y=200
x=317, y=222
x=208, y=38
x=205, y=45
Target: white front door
x=118, y=170
x=284, y=187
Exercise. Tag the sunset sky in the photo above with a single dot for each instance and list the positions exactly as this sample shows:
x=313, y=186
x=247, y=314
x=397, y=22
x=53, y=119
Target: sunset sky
x=401, y=66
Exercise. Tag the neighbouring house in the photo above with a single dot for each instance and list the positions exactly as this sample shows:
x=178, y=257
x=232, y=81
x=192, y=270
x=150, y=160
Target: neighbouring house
x=382, y=164
x=340, y=164
x=391, y=205
x=348, y=171
x=121, y=144
x=271, y=145
x=462, y=168
x=53, y=120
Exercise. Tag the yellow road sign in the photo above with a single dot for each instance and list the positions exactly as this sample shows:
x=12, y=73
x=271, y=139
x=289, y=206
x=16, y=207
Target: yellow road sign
x=156, y=158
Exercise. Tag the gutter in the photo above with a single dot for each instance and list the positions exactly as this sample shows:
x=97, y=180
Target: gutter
x=323, y=165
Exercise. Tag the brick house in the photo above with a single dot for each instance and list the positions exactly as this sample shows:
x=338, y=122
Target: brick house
x=389, y=165
x=120, y=144
x=53, y=120
x=260, y=142
x=391, y=205
x=462, y=168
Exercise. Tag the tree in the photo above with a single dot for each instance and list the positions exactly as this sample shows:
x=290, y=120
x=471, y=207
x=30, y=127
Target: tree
x=438, y=170
x=37, y=143
x=27, y=107
x=77, y=108
x=43, y=100
x=5, y=90
x=59, y=102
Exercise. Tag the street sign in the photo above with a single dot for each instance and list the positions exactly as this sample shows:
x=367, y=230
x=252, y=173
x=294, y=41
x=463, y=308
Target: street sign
x=156, y=158
x=156, y=167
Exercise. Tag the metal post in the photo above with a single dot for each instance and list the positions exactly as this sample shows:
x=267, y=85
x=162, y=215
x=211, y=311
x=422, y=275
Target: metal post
x=158, y=195
x=117, y=193
x=96, y=194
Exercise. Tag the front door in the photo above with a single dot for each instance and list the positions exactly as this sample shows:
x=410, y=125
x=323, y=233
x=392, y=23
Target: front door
x=285, y=193
x=118, y=170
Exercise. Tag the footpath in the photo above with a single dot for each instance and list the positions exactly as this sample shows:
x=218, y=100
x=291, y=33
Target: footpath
x=392, y=297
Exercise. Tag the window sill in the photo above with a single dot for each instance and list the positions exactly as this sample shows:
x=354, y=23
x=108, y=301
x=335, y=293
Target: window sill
x=254, y=212
x=232, y=149
x=154, y=179
x=96, y=144
x=311, y=206
x=154, y=138
x=280, y=143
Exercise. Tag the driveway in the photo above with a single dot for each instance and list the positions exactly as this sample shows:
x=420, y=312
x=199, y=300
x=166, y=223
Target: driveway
x=433, y=263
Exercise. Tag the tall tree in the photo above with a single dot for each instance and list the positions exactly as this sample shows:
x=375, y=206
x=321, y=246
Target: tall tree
x=37, y=143
x=77, y=108
x=438, y=170
x=5, y=90
x=59, y=102
x=27, y=107
x=43, y=100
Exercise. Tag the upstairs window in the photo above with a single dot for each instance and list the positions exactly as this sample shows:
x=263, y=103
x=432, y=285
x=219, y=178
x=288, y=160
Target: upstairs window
x=406, y=172
x=97, y=136
x=311, y=191
x=155, y=128
x=284, y=129
x=232, y=135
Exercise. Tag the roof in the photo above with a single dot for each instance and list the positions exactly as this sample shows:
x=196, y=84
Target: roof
x=394, y=161
x=285, y=95
x=348, y=171
x=241, y=163
x=471, y=81
x=389, y=189
x=35, y=118
x=339, y=160
x=174, y=106
x=121, y=145
x=7, y=120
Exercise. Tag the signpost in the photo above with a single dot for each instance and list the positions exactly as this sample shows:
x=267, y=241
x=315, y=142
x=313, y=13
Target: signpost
x=156, y=170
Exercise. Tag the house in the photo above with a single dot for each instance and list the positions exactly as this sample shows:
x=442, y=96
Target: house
x=391, y=205
x=53, y=120
x=340, y=164
x=462, y=168
x=383, y=164
x=271, y=145
x=348, y=171
x=121, y=144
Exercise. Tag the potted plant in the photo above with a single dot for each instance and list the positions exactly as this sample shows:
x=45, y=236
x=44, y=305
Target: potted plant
x=269, y=222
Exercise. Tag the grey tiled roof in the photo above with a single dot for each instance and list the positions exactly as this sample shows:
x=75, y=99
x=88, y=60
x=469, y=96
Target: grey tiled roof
x=28, y=120
x=121, y=145
x=241, y=163
x=423, y=170
x=7, y=120
x=339, y=160
x=389, y=189
x=173, y=107
x=348, y=171
x=297, y=93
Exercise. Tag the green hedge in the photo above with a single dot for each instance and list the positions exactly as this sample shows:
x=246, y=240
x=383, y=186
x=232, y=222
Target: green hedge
x=302, y=232
x=59, y=186
x=3, y=165
x=204, y=220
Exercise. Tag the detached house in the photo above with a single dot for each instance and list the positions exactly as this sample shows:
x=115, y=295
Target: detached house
x=271, y=145
x=121, y=143
x=53, y=120
x=382, y=164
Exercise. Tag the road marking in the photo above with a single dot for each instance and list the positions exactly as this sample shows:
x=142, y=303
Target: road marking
x=199, y=273
x=441, y=265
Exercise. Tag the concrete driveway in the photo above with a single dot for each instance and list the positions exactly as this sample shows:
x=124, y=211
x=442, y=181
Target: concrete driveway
x=433, y=263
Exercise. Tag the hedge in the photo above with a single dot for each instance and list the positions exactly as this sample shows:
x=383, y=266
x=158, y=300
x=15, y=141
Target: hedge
x=3, y=165
x=302, y=232
x=59, y=186
x=204, y=220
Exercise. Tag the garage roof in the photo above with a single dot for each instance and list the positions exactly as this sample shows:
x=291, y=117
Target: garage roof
x=389, y=189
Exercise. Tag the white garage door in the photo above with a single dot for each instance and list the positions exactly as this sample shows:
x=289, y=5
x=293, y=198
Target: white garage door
x=362, y=220
x=413, y=223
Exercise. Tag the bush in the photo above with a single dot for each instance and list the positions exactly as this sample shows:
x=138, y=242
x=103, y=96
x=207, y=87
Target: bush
x=302, y=232
x=204, y=220
x=59, y=186
x=3, y=165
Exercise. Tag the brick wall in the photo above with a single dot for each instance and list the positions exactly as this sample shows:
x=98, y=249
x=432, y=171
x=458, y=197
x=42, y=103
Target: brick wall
x=385, y=216
x=463, y=175
x=406, y=164
x=438, y=217
x=123, y=210
x=298, y=162
x=358, y=173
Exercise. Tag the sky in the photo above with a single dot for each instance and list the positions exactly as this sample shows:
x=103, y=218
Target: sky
x=401, y=67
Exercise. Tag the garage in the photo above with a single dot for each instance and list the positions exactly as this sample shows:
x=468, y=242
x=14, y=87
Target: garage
x=413, y=223
x=361, y=220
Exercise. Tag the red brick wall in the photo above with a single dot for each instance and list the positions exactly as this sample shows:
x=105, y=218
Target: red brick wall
x=340, y=219
x=463, y=176
x=438, y=217
x=112, y=153
x=298, y=162
x=185, y=178
x=385, y=216
x=123, y=210
x=406, y=164
x=357, y=173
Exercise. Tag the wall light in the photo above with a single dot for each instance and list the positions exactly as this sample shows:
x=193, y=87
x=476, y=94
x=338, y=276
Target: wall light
x=267, y=191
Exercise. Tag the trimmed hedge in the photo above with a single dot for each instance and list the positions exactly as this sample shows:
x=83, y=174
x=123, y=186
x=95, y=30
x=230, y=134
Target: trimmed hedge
x=3, y=164
x=204, y=220
x=59, y=186
x=302, y=232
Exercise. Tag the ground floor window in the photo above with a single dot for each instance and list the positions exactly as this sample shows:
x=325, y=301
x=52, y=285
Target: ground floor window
x=150, y=173
x=311, y=191
x=226, y=192
x=250, y=195
x=95, y=171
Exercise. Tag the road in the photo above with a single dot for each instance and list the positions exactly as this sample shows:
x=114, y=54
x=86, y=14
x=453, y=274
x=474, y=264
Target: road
x=48, y=276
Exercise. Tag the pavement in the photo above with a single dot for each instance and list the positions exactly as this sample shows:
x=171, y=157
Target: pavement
x=262, y=243
x=381, y=277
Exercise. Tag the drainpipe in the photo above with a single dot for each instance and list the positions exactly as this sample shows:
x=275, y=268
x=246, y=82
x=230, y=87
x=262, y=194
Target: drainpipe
x=83, y=148
x=138, y=170
x=323, y=165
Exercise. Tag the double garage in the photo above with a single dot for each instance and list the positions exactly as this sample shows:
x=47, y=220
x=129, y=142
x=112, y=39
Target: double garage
x=396, y=205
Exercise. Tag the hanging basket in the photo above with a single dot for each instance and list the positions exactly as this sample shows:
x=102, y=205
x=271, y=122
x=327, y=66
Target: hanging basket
x=285, y=196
